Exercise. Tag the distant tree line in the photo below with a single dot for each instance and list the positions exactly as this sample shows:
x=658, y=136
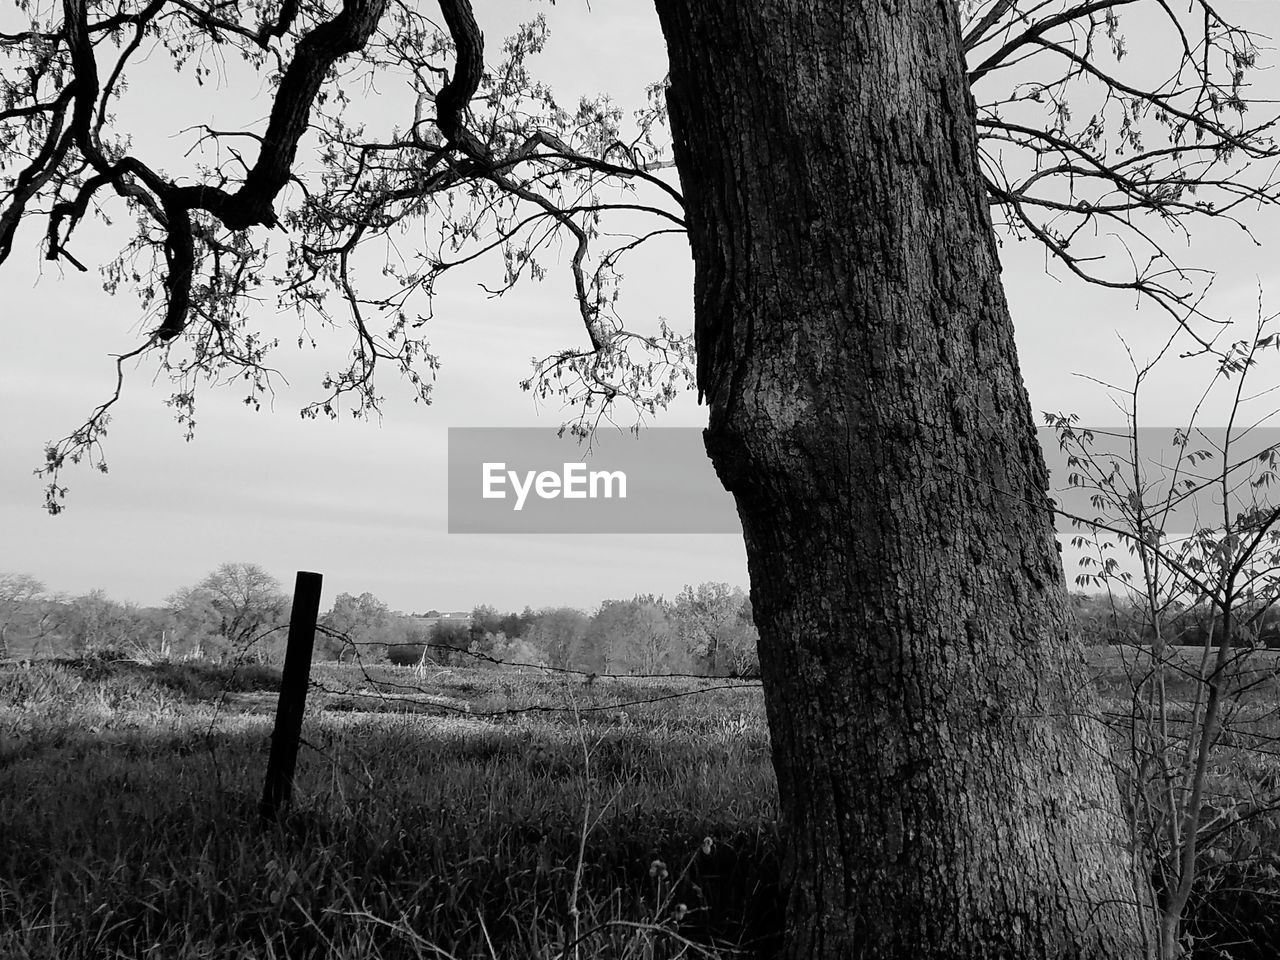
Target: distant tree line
x=239, y=610
x=707, y=629
x=232, y=610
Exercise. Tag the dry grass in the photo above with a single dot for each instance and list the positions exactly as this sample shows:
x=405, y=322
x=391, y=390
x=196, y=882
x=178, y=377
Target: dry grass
x=431, y=823
x=415, y=835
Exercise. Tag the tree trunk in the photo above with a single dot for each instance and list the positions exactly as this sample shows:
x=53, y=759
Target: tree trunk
x=944, y=780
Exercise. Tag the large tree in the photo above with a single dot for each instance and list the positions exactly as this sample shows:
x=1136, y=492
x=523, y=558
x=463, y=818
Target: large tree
x=944, y=780
x=933, y=742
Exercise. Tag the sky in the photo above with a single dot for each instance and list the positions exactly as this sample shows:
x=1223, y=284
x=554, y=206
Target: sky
x=364, y=503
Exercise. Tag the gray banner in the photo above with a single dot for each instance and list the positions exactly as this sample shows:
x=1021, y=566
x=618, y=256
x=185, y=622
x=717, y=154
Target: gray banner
x=529, y=480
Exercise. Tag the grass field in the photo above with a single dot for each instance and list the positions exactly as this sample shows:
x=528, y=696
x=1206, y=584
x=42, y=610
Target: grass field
x=459, y=814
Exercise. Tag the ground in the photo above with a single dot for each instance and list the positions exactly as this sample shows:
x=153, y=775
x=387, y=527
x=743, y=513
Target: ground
x=450, y=813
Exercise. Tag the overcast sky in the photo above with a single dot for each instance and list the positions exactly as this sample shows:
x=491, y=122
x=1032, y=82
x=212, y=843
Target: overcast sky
x=364, y=502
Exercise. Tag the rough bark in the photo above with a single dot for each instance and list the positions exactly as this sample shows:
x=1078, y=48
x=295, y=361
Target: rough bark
x=943, y=778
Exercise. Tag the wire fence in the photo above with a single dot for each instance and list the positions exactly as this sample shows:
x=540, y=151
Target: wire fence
x=377, y=687
x=413, y=694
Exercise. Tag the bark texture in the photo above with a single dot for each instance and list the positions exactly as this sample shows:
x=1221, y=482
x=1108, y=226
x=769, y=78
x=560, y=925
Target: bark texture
x=943, y=777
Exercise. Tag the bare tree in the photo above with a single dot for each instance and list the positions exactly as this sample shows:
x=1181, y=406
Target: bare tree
x=560, y=635
x=196, y=622
x=1203, y=535
x=707, y=617
x=94, y=625
x=942, y=774
x=636, y=636
x=20, y=595
x=248, y=602
x=362, y=624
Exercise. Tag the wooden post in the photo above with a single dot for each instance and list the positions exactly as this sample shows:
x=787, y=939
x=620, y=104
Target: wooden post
x=278, y=790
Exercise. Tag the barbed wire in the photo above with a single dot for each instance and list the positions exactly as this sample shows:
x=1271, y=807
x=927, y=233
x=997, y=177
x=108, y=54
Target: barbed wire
x=424, y=698
x=530, y=708
x=379, y=684
x=548, y=668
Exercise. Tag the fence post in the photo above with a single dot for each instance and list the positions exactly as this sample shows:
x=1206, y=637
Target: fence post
x=278, y=790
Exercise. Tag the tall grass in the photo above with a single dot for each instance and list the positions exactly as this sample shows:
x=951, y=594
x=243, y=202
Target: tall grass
x=128, y=818
x=464, y=814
